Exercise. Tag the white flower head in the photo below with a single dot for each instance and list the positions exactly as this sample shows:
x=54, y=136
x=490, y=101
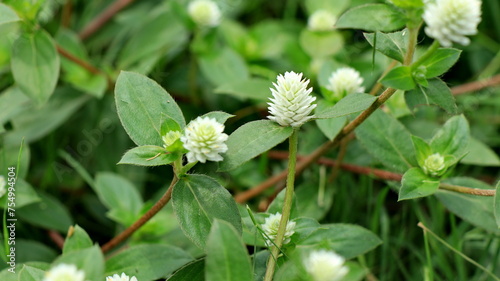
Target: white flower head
x=292, y=101
x=345, y=81
x=434, y=165
x=204, y=139
x=3, y=184
x=64, y=272
x=325, y=265
x=204, y=13
x=123, y=277
x=271, y=225
x=451, y=21
x=321, y=20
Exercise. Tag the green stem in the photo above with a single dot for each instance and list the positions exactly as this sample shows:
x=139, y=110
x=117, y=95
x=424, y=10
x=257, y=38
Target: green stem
x=412, y=44
x=287, y=207
x=430, y=51
x=428, y=273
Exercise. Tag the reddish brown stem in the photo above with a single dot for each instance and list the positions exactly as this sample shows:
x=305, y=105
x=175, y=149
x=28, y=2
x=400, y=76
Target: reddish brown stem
x=57, y=238
x=77, y=60
x=141, y=221
x=476, y=85
x=103, y=18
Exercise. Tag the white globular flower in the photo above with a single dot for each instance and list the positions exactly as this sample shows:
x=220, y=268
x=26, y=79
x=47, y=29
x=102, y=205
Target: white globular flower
x=325, y=265
x=321, y=20
x=64, y=272
x=345, y=81
x=434, y=165
x=204, y=139
x=123, y=277
x=3, y=183
x=451, y=21
x=271, y=225
x=292, y=101
x=204, y=13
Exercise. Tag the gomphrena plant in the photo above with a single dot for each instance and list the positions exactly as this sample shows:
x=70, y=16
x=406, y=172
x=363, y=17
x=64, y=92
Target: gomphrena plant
x=296, y=81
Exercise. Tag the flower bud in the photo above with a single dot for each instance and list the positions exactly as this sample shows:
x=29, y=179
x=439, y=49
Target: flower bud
x=434, y=165
x=344, y=81
x=271, y=225
x=123, y=277
x=64, y=272
x=321, y=20
x=292, y=101
x=451, y=21
x=325, y=265
x=170, y=138
x=204, y=13
x=204, y=139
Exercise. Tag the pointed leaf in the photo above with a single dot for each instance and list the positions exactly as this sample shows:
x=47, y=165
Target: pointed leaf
x=142, y=105
x=35, y=65
x=245, y=143
x=77, y=239
x=225, y=250
x=148, y=155
x=400, y=77
x=28, y=273
x=392, y=45
x=479, y=154
x=416, y=184
x=452, y=138
x=372, y=17
x=436, y=93
x=198, y=200
x=422, y=149
x=352, y=103
x=193, y=271
x=219, y=116
x=440, y=61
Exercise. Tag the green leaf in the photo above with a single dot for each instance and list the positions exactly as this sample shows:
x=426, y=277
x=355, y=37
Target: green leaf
x=331, y=127
x=31, y=250
x=422, y=150
x=120, y=196
x=253, y=88
x=77, y=239
x=416, y=184
x=25, y=194
x=387, y=140
x=346, y=240
x=225, y=250
x=277, y=205
x=90, y=260
x=304, y=227
x=440, y=61
x=148, y=261
x=392, y=45
x=28, y=273
x=352, y=103
x=193, y=271
x=142, y=105
x=400, y=77
x=148, y=155
x=35, y=65
x=198, y=200
x=321, y=44
x=35, y=123
x=222, y=66
x=480, y=154
x=452, y=138
x=49, y=213
x=244, y=144
x=477, y=210
x=75, y=74
x=12, y=102
x=7, y=15
x=496, y=207
x=436, y=93
x=335, y=8
x=314, y=202
x=219, y=116
x=372, y=17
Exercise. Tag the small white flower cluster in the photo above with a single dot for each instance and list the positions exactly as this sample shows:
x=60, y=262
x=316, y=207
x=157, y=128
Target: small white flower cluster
x=345, y=81
x=204, y=13
x=3, y=184
x=64, y=272
x=325, y=265
x=271, y=225
x=123, y=277
x=204, y=139
x=451, y=21
x=434, y=165
x=292, y=101
x=321, y=20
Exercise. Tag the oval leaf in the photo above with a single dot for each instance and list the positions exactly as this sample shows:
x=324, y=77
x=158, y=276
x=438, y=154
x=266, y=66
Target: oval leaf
x=399, y=78
x=416, y=184
x=436, y=93
x=142, y=105
x=352, y=103
x=392, y=45
x=252, y=139
x=225, y=250
x=440, y=61
x=198, y=200
x=35, y=65
x=452, y=138
x=148, y=155
x=372, y=17
x=77, y=239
